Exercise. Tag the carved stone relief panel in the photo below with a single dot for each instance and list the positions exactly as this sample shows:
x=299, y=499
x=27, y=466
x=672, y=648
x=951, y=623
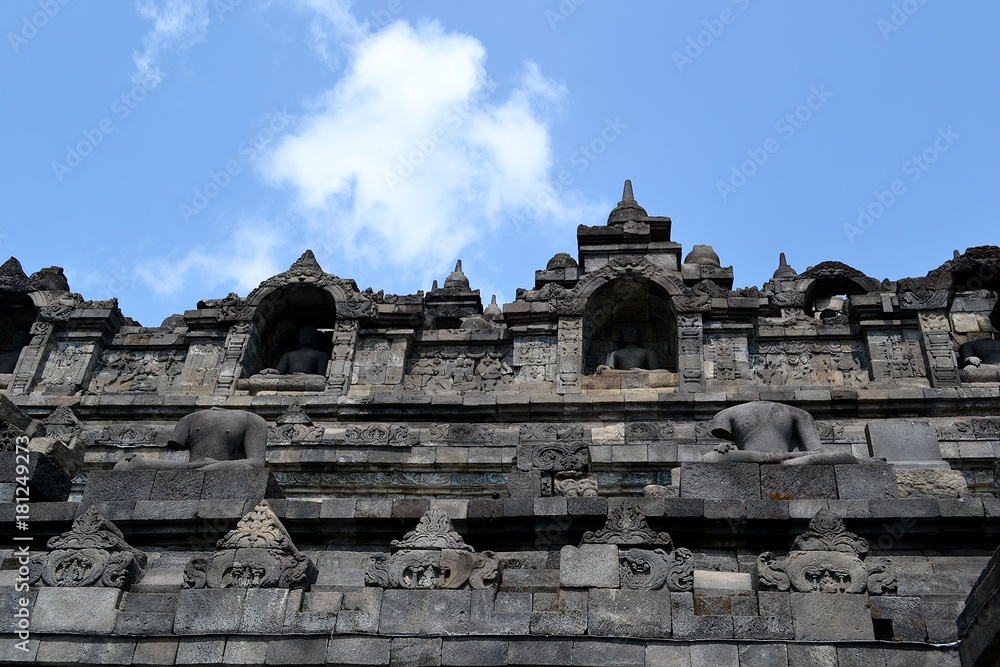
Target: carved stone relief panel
x=935, y=331
x=459, y=368
x=201, y=367
x=371, y=359
x=534, y=358
x=570, y=355
x=896, y=355
x=137, y=371
x=68, y=365
x=727, y=358
x=839, y=363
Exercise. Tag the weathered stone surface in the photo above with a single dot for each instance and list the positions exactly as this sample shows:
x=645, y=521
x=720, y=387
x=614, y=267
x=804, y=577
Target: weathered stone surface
x=76, y=610
x=202, y=612
x=903, y=442
x=589, y=566
x=866, y=480
x=622, y=613
x=425, y=612
x=783, y=482
x=484, y=652
x=358, y=650
x=720, y=481
x=824, y=617
x=930, y=483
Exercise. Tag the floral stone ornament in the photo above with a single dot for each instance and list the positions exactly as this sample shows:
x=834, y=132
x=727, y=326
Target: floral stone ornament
x=433, y=555
x=825, y=559
x=652, y=563
x=258, y=553
x=93, y=553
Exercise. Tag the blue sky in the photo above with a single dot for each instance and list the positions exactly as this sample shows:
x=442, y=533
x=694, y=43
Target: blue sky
x=166, y=151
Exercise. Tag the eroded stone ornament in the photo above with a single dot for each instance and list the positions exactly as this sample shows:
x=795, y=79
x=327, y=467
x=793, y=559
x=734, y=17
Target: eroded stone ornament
x=825, y=559
x=433, y=555
x=258, y=553
x=92, y=553
x=652, y=563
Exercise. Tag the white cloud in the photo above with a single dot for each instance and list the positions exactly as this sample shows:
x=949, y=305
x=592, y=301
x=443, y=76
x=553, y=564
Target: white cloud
x=333, y=29
x=249, y=256
x=177, y=24
x=410, y=158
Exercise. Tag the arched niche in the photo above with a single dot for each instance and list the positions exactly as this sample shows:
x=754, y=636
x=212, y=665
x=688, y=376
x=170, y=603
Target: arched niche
x=828, y=282
x=629, y=300
x=17, y=314
x=285, y=310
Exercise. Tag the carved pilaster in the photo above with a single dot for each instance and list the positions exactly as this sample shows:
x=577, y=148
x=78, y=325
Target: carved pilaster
x=237, y=341
x=338, y=373
x=938, y=349
x=569, y=355
x=32, y=359
x=690, y=337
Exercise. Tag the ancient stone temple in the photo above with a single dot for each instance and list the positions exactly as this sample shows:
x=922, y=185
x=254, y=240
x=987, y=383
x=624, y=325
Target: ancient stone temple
x=631, y=464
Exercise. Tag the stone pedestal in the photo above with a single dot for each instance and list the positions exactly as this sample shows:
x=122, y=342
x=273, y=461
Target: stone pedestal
x=134, y=485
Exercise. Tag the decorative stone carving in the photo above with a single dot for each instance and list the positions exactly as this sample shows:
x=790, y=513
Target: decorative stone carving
x=294, y=426
x=381, y=435
x=841, y=363
x=62, y=422
x=433, y=556
x=126, y=435
x=825, y=559
x=637, y=432
x=652, y=563
x=92, y=553
x=453, y=368
x=572, y=484
x=137, y=371
x=258, y=553
x=626, y=524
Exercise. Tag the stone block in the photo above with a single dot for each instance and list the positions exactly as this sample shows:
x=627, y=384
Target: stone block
x=360, y=612
x=209, y=611
x=144, y=624
x=245, y=651
x=250, y=484
x=425, y=612
x=685, y=624
x=587, y=506
x=868, y=480
x=589, y=566
x=358, y=650
x=264, y=611
x=201, y=651
x=92, y=611
x=831, y=617
x=109, y=485
x=416, y=652
x=893, y=508
x=898, y=619
x=562, y=613
x=156, y=651
x=858, y=656
x=297, y=651
x=729, y=581
x=474, y=652
x=668, y=655
x=628, y=613
x=720, y=481
x=714, y=655
x=539, y=651
x=177, y=485
x=915, y=657
x=501, y=613
x=805, y=655
x=901, y=440
x=930, y=483
x=783, y=482
x=608, y=653
x=47, y=482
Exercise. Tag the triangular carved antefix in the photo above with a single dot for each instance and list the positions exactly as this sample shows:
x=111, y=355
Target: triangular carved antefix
x=258, y=553
x=92, y=553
